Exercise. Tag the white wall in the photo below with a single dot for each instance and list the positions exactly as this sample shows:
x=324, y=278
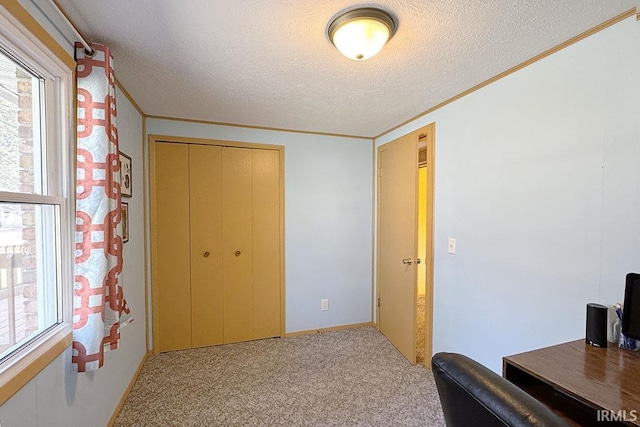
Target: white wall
x=538, y=179
x=328, y=219
x=57, y=396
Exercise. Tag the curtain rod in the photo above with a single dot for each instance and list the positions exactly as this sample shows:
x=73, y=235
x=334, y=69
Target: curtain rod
x=87, y=48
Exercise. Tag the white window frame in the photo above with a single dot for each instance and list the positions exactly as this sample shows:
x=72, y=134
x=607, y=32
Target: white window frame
x=58, y=154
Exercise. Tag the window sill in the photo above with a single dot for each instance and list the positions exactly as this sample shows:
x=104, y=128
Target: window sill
x=33, y=359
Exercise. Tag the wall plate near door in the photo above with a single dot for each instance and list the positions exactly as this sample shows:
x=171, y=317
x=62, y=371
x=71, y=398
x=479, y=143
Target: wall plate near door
x=451, y=246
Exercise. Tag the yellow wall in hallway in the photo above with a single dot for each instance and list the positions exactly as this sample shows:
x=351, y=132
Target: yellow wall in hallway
x=422, y=228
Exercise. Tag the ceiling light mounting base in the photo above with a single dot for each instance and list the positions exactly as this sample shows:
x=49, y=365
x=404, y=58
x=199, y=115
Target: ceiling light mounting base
x=361, y=33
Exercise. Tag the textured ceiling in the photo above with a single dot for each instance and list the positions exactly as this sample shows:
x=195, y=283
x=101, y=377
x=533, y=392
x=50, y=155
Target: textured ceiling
x=269, y=63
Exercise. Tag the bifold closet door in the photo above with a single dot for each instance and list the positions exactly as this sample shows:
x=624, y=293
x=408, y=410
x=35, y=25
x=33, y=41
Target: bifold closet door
x=205, y=189
x=216, y=244
x=237, y=217
x=172, y=266
x=266, y=244
x=251, y=250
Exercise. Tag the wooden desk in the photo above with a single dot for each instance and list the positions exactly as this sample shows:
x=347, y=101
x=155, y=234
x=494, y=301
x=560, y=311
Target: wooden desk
x=576, y=380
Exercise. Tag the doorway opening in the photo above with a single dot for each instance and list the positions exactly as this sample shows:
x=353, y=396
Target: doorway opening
x=422, y=251
x=424, y=244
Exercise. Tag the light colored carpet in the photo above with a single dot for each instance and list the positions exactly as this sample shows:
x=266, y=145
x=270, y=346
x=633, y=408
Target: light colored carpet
x=353, y=377
x=420, y=337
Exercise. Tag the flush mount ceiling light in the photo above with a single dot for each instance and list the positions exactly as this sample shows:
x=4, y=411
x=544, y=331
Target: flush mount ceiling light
x=360, y=33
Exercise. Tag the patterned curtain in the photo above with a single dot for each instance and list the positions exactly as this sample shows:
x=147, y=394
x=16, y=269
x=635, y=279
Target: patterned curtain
x=99, y=307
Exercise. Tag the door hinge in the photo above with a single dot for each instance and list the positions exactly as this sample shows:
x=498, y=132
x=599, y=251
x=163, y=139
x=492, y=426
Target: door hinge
x=379, y=172
x=378, y=302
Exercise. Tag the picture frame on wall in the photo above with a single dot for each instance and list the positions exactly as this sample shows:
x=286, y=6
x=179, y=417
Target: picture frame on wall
x=126, y=181
x=125, y=222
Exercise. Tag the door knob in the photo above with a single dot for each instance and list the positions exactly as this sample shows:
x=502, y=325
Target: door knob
x=237, y=253
x=407, y=261
x=206, y=254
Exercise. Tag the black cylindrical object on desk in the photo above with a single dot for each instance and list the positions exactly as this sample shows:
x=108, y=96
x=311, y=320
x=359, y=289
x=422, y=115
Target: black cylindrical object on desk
x=596, y=334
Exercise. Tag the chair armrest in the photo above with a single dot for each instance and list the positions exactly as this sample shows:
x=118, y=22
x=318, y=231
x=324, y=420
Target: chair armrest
x=472, y=394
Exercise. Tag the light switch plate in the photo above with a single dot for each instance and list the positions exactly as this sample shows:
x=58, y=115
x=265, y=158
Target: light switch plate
x=451, y=246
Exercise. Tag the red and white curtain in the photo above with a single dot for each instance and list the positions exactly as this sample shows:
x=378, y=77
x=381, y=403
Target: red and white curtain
x=99, y=307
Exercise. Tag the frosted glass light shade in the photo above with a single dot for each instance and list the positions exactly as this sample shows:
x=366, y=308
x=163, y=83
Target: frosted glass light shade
x=360, y=34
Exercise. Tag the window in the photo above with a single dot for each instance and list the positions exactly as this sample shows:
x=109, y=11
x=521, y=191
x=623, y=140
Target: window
x=36, y=206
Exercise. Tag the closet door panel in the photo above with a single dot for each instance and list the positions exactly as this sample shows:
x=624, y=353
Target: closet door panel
x=207, y=308
x=237, y=244
x=266, y=243
x=170, y=192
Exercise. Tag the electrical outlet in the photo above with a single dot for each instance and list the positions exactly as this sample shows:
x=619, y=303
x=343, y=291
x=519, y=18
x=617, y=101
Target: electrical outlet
x=324, y=304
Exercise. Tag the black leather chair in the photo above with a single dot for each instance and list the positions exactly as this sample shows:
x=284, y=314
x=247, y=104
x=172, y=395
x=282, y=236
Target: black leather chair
x=474, y=396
